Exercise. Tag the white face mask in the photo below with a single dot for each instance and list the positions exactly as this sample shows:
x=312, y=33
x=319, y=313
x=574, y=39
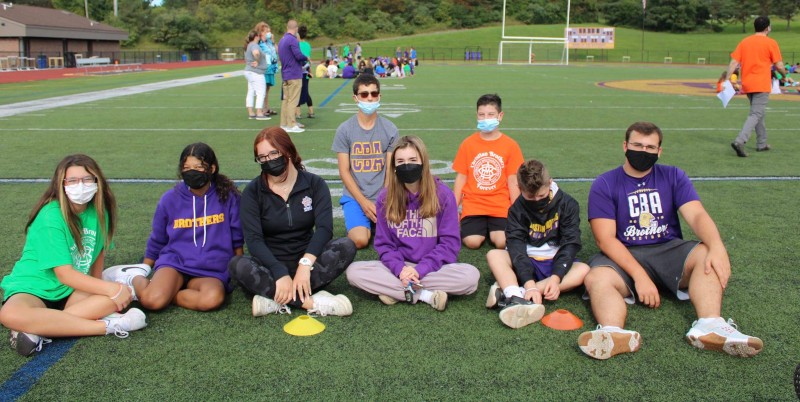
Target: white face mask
x=81, y=193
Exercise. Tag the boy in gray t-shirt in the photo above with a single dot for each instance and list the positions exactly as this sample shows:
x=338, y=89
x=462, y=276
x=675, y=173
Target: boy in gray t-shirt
x=362, y=145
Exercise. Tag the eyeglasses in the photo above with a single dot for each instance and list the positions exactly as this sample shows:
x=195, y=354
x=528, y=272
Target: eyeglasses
x=639, y=146
x=71, y=181
x=366, y=94
x=272, y=155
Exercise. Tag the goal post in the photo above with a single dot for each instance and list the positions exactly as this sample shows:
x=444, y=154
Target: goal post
x=533, y=49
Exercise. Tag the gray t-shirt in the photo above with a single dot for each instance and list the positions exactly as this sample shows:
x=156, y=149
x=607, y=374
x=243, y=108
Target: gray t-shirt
x=249, y=58
x=367, y=150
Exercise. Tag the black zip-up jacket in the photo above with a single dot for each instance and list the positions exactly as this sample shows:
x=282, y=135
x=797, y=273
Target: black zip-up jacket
x=278, y=232
x=560, y=223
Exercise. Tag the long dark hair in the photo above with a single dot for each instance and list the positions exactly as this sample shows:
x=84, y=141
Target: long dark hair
x=206, y=155
x=104, y=202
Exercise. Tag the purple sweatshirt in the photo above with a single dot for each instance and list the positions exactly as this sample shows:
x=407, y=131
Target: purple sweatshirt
x=428, y=242
x=195, y=235
x=292, y=59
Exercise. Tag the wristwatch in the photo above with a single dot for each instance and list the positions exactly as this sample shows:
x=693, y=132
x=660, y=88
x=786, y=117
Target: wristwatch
x=305, y=261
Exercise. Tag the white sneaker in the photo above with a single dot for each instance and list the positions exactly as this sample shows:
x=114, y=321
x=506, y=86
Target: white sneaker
x=294, y=129
x=723, y=336
x=605, y=342
x=387, y=300
x=328, y=304
x=439, y=300
x=121, y=324
x=124, y=274
x=26, y=344
x=518, y=315
x=264, y=305
x=491, y=300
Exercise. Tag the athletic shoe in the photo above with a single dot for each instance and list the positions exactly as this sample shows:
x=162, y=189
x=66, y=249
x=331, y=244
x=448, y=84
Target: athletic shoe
x=124, y=274
x=300, y=125
x=263, y=306
x=121, y=324
x=723, y=336
x=518, y=312
x=328, y=304
x=294, y=129
x=439, y=300
x=495, y=295
x=764, y=148
x=310, y=115
x=387, y=300
x=739, y=148
x=251, y=117
x=605, y=342
x=263, y=117
x=26, y=344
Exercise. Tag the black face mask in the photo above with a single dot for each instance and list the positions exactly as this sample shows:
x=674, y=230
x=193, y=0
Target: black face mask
x=641, y=160
x=194, y=178
x=275, y=167
x=537, y=205
x=409, y=173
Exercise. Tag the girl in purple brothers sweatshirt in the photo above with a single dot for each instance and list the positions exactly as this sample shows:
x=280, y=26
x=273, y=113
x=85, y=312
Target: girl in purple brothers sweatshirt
x=196, y=232
x=416, y=236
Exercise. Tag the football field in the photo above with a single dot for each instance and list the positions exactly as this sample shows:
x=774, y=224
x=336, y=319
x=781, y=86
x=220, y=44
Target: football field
x=571, y=118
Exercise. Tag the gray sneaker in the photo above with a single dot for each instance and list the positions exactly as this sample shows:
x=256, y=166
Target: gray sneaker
x=518, y=312
x=26, y=344
x=739, y=148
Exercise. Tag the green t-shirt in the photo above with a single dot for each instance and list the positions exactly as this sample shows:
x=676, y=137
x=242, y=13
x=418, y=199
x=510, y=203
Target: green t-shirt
x=49, y=244
x=305, y=48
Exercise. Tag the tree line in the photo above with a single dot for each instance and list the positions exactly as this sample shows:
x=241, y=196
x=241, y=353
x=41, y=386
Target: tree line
x=199, y=24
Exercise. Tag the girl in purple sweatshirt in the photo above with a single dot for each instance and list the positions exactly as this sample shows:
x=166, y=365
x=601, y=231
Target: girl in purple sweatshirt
x=416, y=236
x=196, y=232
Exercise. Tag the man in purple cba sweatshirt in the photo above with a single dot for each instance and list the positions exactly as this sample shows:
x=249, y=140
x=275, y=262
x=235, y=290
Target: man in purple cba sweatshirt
x=292, y=61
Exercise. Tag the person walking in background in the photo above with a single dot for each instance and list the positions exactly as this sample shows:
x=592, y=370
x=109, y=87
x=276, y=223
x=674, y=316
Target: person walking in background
x=292, y=61
x=756, y=54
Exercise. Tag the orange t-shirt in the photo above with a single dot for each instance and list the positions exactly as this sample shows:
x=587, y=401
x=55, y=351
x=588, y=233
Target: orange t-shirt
x=487, y=165
x=756, y=54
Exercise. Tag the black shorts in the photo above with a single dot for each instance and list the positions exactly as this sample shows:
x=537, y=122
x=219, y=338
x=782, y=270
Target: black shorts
x=52, y=304
x=481, y=225
x=663, y=263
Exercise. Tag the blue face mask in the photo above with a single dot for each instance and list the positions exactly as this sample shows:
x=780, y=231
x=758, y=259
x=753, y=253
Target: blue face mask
x=368, y=108
x=488, y=125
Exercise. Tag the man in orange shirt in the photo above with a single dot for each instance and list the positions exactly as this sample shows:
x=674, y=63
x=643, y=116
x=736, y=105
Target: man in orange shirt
x=756, y=55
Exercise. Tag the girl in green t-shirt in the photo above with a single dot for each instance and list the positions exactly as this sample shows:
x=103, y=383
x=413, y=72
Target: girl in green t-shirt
x=55, y=289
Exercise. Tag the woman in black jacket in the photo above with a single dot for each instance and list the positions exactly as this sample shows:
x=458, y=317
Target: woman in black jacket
x=287, y=219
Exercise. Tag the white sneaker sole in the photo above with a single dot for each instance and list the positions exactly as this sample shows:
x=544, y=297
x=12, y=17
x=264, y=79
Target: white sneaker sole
x=735, y=347
x=521, y=315
x=602, y=345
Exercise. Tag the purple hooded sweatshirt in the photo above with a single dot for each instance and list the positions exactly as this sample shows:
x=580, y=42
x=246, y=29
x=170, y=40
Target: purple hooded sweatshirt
x=195, y=235
x=428, y=242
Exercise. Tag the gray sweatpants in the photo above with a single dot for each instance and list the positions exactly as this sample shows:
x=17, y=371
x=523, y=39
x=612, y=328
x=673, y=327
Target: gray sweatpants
x=374, y=277
x=755, y=120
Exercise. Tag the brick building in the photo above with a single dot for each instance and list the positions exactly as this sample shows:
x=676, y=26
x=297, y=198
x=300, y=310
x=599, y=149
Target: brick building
x=27, y=31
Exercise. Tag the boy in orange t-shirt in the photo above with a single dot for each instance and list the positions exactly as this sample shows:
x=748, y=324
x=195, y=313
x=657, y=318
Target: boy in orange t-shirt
x=486, y=182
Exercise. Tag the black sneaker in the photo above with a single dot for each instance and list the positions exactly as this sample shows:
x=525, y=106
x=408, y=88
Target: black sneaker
x=26, y=344
x=739, y=148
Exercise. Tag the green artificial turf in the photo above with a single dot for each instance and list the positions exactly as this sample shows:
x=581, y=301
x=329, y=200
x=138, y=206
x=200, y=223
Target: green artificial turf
x=558, y=115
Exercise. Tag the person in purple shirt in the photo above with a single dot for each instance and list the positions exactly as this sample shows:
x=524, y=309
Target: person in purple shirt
x=196, y=232
x=416, y=236
x=349, y=71
x=292, y=61
x=633, y=213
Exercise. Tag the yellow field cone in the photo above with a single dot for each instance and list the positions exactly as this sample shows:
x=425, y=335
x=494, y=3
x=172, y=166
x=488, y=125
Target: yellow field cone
x=304, y=325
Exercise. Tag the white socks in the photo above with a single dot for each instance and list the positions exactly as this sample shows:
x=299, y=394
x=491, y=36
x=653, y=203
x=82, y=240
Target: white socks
x=512, y=291
x=426, y=296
